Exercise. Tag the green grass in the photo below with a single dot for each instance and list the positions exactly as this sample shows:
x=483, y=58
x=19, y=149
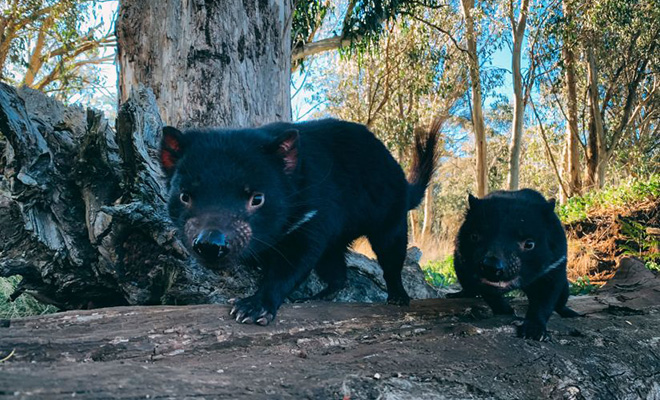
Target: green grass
x=636, y=190
x=440, y=273
x=582, y=285
x=25, y=305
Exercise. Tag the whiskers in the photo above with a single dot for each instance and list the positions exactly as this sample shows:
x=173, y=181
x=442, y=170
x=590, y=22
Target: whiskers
x=272, y=247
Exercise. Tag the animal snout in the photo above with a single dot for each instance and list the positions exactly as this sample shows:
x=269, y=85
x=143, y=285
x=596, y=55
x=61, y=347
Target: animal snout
x=494, y=264
x=211, y=245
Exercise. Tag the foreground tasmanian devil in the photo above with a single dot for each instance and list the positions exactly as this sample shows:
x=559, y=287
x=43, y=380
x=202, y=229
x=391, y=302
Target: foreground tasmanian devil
x=514, y=240
x=292, y=197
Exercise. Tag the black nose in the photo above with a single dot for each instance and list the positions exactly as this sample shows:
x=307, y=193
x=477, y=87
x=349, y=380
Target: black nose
x=495, y=264
x=211, y=245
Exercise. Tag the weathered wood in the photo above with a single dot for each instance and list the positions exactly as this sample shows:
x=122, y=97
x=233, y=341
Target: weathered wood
x=83, y=216
x=434, y=349
x=209, y=63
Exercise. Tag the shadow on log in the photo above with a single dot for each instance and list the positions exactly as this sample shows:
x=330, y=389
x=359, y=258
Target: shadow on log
x=83, y=218
x=434, y=349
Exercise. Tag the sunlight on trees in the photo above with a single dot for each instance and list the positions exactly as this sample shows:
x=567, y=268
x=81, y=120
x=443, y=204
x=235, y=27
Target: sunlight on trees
x=58, y=47
x=577, y=109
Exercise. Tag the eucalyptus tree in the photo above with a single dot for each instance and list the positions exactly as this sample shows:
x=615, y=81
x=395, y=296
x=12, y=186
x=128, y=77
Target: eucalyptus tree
x=52, y=46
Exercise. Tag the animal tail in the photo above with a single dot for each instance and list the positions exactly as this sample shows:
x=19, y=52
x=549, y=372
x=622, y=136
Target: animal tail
x=425, y=159
x=566, y=312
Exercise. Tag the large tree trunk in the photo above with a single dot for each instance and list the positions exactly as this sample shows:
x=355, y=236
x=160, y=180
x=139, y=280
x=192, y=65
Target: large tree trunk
x=597, y=150
x=209, y=63
x=518, y=33
x=572, y=165
x=477, y=112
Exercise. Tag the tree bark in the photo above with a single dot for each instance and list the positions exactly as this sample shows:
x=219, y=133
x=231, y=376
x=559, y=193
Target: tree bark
x=477, y=112
x=434, y=349
x=83, y=216
x=597, y=149
x=211, y=63
x=518, y=33
x=428, y=215
x=572, y=165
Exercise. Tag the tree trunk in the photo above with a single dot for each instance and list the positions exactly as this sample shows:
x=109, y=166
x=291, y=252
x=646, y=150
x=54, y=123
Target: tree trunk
x=518, y=33
x=413, y=227
x=597, y=150
x=210, y=63
x=428, y=215
x=572, y=169
x=477, y=112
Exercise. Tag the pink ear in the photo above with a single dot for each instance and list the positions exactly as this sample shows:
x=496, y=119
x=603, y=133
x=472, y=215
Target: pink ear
x=287, y=148
x=170, y=149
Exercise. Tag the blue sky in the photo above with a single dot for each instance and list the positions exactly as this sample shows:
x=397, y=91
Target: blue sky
x=303, y=101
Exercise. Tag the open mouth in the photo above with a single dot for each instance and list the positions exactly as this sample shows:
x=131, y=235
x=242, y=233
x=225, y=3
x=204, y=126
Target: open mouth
x=503, y=285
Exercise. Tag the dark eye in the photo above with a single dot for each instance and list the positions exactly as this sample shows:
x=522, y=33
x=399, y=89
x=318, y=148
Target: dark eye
x=257, y=200
x=185, y=198
x=527, y=245
x=475, y=237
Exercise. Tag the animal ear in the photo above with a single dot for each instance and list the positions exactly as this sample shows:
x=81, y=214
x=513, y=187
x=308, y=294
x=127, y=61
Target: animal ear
x=285, y=146
x=551, y=205
x=171, y=149
x=472, y=201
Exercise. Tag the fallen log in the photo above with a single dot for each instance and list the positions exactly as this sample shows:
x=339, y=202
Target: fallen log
x=83, y=217
x=434, y=349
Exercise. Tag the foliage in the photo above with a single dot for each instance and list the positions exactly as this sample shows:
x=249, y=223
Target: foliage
x=581, y=286
x=53, y=46
x=25, y=305
x=440, y=273
x=640, y=243
x=308, y=17
x=631, y=192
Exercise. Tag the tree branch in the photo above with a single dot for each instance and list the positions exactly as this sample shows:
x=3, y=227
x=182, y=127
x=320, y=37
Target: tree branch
x=309, y=49
x=439, y=29
x=548, y=150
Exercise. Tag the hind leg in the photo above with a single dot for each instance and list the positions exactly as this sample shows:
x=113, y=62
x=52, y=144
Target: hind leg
x=561, y=307
x=390, y=248
x=332, y=270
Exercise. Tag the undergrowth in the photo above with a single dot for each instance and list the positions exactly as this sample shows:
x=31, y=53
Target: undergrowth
x=440, y=273
x=577, y=208
x=25, y=305
x=582, y=285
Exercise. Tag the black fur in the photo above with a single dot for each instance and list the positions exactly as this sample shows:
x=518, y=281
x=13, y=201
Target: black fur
x=493, y=256
x=325, y=183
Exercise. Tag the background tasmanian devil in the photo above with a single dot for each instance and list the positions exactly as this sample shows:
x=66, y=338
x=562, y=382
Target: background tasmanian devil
x=513, y=240
x=292, y=197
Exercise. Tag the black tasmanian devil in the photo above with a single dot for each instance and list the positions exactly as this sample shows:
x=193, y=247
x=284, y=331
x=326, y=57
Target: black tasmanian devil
x=514, y=240
x=292, y=197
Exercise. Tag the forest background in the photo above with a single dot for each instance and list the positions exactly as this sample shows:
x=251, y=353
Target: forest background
x=559, y=96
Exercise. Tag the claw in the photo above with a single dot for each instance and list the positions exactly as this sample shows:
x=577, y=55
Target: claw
x=232, y=300
x=265, y=318
x=233, y=311
x=246, y=320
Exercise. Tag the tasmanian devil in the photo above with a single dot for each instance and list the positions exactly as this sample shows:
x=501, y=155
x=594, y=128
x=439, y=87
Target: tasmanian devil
x=292, y=198
x=513, y=240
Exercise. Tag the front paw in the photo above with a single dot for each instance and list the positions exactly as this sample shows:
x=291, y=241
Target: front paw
x=398, y=299
x=535, y=330
x=252, y=310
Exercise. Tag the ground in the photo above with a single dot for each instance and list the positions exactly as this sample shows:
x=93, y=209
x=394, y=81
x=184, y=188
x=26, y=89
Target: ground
x=434, y=349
